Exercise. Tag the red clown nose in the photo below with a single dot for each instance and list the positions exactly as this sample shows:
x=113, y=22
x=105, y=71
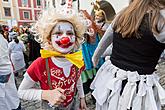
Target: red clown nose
x=65, y=40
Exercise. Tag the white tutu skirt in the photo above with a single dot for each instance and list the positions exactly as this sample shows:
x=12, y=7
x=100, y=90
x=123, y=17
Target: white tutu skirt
x=141, y=92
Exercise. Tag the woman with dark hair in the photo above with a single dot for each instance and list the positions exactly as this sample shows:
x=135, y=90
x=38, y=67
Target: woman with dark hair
x=16, y=49
x=128, y=81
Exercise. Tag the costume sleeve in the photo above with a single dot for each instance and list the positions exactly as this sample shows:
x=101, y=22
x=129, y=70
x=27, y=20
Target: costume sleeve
x=105, y=41
x=34, y=69
x=80, y=88
x=9, y=48
x=108, y=51
x=5, y=64
x=27, y=91
x=161, y=36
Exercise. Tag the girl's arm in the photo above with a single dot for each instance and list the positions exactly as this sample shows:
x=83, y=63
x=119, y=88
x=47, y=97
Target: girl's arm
x=161, y=36
x=27, y=91
x=105, y=41
x=80, y=88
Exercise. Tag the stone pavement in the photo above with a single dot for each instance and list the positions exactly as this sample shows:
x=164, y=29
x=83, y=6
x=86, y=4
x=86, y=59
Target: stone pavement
x=35, y=105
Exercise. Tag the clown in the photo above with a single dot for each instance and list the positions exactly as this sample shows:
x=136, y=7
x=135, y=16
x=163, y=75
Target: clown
x=59, y=67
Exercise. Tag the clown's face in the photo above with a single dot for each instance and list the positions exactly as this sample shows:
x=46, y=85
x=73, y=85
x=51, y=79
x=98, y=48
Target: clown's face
x=63, y=37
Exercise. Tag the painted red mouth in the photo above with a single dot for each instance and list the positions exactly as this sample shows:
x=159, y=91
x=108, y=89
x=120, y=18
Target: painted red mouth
x=63, y=45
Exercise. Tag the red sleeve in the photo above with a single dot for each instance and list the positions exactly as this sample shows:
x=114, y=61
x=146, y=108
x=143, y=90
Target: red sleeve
x=36, y=69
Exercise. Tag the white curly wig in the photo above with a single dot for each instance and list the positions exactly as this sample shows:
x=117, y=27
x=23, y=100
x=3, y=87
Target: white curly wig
x=50, y=17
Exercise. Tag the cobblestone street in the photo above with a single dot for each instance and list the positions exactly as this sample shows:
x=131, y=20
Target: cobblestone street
x=35, y=105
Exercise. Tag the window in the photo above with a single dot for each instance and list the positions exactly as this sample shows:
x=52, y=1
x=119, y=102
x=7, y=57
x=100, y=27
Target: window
x=24, y=2
x=6, y=0
x=26, y=14
x=38, y=2
x=7, y=11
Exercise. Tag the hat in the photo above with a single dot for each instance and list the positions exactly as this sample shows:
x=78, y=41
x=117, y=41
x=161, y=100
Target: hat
x=50, y=17
x=105, y=8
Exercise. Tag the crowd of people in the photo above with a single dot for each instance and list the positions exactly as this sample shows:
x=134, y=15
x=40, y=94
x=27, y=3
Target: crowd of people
x=18, y=49
x=71, y=54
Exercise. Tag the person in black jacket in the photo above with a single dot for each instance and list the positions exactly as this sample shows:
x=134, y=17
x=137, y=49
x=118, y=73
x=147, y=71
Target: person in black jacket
x=34, y=48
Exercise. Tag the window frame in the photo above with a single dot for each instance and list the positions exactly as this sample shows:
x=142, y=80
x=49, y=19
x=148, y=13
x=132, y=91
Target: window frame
x=37, y=3
x=5, y=1
x=24, y=15
x=8, y=10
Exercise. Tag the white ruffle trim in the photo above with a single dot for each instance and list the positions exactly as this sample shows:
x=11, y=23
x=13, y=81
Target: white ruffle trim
x=108, y=84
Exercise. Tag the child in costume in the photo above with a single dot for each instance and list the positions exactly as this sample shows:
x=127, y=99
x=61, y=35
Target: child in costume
x=59, y=68
x=88, y=47
x=128, y=80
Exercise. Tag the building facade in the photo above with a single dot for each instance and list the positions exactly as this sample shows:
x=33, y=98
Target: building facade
x=28, y=10
x=20, y=12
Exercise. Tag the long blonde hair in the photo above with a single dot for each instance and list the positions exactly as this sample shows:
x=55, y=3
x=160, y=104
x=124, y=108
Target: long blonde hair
x=128, y=21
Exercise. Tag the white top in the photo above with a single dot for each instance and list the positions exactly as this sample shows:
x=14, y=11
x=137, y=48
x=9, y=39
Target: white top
x=16, y=53
x=8, y=92
x=28, y=92
x=4, y=57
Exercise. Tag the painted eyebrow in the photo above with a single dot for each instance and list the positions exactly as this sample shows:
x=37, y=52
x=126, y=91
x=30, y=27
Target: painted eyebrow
x=70, y=31
x=59, y=28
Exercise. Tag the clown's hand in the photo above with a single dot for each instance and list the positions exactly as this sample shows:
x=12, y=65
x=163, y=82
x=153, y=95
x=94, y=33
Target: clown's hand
x=95, y=61
x=83, y=105
x=54, y=97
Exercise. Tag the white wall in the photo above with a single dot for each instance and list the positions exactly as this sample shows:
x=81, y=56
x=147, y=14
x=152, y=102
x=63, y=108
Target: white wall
x=117, y=4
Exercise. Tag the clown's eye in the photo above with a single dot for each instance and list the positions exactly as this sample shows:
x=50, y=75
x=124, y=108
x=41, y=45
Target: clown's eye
x=58, y=33
x=69, y=33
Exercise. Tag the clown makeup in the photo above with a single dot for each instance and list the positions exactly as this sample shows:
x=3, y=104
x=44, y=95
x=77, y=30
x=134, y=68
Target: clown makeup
x=63, y=37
